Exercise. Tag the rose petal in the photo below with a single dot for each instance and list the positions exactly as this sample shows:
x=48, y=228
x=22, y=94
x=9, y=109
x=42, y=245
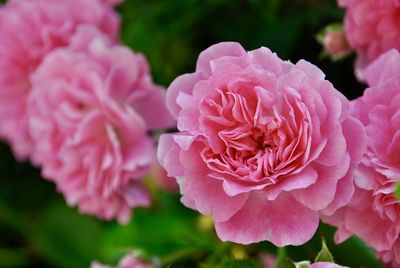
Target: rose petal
x=321, y=194
x=206, y=194
x=216, y=51
x=168, y=155
x=284, y=222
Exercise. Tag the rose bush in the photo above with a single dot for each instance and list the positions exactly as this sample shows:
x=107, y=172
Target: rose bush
x=90, y=109
x=264, y=145
x=374, y=212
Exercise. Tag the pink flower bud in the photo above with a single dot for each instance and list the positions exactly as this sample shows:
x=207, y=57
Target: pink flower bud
x=335, y=44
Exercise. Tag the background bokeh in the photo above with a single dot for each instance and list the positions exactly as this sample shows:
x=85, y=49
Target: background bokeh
x=37, y=228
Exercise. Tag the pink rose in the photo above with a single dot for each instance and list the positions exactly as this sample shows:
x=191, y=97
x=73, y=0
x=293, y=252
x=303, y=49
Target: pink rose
x=90, y=109
x=372, y=27
x=129, y=261
x=374, y=212
x=28, y=31
x=264, y=145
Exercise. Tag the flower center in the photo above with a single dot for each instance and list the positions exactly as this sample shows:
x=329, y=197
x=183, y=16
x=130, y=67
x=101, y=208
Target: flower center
x=253, y=137
x=262, y=142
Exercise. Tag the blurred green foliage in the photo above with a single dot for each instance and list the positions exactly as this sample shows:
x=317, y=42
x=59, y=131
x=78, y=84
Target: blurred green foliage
x=37, y=229
x=172, y=33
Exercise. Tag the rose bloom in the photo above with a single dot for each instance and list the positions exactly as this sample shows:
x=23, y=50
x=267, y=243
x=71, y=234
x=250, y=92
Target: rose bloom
x=90, y=109
x=28, y=31
x=374, y=212
x=129, y=261
x=263, y=146
x=372, y=27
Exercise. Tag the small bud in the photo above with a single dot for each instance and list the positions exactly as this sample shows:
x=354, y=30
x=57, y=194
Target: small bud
x=333, y=39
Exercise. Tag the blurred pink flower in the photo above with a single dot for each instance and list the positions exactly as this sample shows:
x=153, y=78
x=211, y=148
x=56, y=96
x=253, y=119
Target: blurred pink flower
x=264, y=145
x=90, y=109
x=28, y=31
x=374, y=212
x=372, y=28
x=268, y=260
x=129, y=261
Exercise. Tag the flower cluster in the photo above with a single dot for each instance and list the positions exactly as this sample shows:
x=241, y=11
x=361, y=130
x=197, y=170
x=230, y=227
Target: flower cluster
x=29, y=30
x=78, y=104
x=265, y=146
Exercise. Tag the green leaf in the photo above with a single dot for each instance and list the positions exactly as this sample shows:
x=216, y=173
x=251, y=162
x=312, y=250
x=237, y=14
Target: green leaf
x=324, y=255
x=167, y=230
x=12, y=258
x=67, y=239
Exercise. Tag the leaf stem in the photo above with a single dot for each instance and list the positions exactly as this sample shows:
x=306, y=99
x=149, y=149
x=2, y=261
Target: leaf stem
x=280, y=258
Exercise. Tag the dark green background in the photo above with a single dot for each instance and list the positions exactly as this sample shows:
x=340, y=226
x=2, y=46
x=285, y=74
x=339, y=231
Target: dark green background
x=37, y=229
